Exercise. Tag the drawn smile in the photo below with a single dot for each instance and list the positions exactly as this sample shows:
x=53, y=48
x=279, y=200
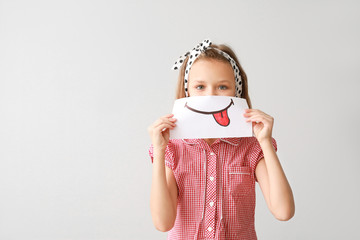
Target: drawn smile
x=221, y=116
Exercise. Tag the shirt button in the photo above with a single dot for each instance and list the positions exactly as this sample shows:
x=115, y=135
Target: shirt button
x=209, y=229
x=211, y=204
x=212, y=154
x=211, y=178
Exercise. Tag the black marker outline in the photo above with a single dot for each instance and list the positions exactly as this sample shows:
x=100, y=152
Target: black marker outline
x=213, y=112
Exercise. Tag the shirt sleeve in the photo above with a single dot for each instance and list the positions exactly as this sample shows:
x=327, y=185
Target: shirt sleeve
x=169, y=155
x=257, y=153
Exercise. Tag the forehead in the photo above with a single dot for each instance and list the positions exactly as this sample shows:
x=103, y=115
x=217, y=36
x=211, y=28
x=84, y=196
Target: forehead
x=211, y=68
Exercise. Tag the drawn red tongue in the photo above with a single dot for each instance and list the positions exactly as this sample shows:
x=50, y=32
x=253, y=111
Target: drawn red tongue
x=222, y=118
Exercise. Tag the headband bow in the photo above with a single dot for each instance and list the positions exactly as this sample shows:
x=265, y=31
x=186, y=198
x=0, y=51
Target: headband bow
x=201, y=47
x=195, y=52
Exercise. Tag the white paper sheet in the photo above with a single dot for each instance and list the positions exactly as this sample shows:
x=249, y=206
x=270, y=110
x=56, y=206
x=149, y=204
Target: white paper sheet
x=210, y=117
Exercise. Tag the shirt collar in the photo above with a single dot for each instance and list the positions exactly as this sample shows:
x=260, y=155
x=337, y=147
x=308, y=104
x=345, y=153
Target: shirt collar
x=232, y=141
x=191, y=141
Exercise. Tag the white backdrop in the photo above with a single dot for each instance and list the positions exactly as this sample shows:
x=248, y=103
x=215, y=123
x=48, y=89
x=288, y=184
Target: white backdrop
x=80, y=81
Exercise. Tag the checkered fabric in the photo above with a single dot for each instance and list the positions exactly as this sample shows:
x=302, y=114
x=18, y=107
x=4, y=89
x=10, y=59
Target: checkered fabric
x=216, y=198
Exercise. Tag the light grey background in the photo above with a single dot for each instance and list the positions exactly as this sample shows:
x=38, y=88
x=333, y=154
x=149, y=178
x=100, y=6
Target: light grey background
x=80, y=81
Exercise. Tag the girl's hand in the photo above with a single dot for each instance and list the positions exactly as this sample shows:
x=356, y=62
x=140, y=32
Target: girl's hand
x=160, y=131
x=262, y=123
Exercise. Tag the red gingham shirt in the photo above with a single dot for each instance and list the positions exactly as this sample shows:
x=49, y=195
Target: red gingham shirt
x=216, y=198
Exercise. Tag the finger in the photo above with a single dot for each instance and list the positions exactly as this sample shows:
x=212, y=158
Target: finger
x=256, y=112
x=163, y=120
x=165, y=126
x=167, y=122
x=167, y=115
x=252, y=112
x=258, y=118
x=163, y=117
x=169, y=118
x=249, y=113
x=252, y=117
x=155, y=127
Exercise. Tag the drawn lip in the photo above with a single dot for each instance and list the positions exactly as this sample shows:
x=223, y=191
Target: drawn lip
x=221, y=116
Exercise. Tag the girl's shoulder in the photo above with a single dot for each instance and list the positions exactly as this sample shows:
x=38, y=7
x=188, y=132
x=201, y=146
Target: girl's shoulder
x=252, y=148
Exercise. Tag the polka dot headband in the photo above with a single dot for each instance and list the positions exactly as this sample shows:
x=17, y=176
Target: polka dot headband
x=195, y=52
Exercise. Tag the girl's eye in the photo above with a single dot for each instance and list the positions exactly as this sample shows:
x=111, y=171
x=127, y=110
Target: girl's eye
x=222, y=87
x=199, y=87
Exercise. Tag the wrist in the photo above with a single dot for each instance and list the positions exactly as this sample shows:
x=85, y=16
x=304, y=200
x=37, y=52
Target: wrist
x=159, y=148
x=159, y=152
x=265, y=141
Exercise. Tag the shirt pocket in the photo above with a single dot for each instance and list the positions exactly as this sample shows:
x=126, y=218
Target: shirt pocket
x=240, y=180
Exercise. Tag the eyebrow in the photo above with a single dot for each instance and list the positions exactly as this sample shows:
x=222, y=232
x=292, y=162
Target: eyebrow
x=199, y=81
x=225, y=80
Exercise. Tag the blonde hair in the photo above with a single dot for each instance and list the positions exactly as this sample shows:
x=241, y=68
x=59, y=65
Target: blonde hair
x=213, y=54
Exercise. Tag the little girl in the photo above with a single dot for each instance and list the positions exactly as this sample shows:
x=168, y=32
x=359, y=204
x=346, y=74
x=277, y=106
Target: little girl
x=205, y=188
